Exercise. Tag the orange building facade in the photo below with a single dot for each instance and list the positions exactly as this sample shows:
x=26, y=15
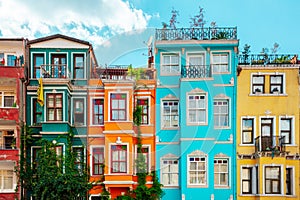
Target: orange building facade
x=112, y=134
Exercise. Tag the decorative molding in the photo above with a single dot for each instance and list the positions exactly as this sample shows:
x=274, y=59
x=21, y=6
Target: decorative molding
x=169, y=155
x=197, y=90
x=221, y=96
x=221, y=155
x=197, y=153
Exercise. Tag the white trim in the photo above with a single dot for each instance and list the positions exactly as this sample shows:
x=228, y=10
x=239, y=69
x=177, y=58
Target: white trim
x=127, y=161
x=84, y=65
x=162, y=54
x=5, y=166
x=190, y=54
x=84, y=110
x=169, y=157
x=229, y=170
x=199, y=154
x=67, y=60
x=292, y=117
x=92, y=110
x=32, y=62
x=282, y=184
x=241, y=130
x=91, y=157
x=293, y=182
x=162, y=112
x=227, y=99
x=193, y=93
x=149, y=108
x=254, y=181
x=64, y=99
x=268, y=74
x=221, y=52
x=127, y=106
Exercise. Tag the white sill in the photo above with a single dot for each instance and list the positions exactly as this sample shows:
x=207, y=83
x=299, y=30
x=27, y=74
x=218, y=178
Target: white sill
x=222, y=127
x=170, y=128
x=246, y=145
x=268, y=94
x=197, y=186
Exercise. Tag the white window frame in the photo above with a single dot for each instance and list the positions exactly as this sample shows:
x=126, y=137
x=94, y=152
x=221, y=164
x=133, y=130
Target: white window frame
x=282, y=184
x=253, y=130
x=263, y=93
x=32, y=63
x=292, y=180
x=219, y=53
x=162, y=166
x=73, y=107
x=84, y=65
x=292, y=118
x=110, y=160
x=162, y=113
x=3, y=94
x=254, y=182
x=169, y=72
x=206, y=170
x=228, y=172
x=149, y=108
x=8, y=165
x=91, y=158
x=189, y=123
x=92, y=111
x=226, y=99
x=5, y=56
x=127, y=106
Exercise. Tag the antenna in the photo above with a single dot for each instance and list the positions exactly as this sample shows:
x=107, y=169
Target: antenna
x=149, y=42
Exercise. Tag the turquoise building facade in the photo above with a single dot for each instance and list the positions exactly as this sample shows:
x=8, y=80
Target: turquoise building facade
x=195, y=112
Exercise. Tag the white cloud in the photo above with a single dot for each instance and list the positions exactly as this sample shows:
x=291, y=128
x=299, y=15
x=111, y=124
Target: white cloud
x=94, y=20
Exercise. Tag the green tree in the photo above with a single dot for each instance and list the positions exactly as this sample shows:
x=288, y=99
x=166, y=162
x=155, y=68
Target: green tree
x=55, y=176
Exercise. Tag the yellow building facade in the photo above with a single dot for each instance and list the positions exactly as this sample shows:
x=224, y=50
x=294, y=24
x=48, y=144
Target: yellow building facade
x=267, y=128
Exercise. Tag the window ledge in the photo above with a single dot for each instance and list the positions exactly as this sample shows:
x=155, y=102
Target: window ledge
x=197, y=186
x=268, y=95
x=222, y=127
x=196, y=124
x=8, y=191
x=221, y=187
x=170, y=187
x=170, y=128
x=246, y=145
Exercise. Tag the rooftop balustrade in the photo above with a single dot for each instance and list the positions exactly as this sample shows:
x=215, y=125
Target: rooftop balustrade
x=268, y=59
x=211, y=33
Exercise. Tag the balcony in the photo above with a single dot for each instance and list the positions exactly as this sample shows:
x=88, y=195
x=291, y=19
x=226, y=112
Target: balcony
x=54, y=71
x=280, y=60
x=270, y=143
x=196, y=34
x=195, y=71
x=124, y=72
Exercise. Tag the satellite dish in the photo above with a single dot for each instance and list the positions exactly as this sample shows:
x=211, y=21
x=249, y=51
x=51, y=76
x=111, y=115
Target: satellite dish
x=149, y=42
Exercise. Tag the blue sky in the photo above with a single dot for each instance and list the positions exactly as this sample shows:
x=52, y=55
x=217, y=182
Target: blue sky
x=118, y=29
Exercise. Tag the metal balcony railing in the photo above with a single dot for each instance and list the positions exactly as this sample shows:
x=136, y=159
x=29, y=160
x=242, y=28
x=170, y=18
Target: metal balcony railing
x=122, y=72
x=217, y=33
x=195, y=71
x=268, y=59
x=54, y=71
x=270, y=143
x=7, y=146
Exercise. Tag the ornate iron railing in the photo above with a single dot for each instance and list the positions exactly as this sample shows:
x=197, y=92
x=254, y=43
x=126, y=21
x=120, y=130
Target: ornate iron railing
x=217, y=33
x=270, y=143
x=54, y=71
x=195, y=71
x=268, y=59
x=122, y=72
